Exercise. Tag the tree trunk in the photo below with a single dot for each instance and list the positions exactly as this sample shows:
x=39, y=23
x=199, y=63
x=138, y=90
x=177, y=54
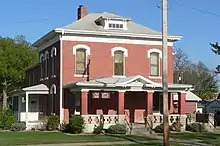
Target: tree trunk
x=4, y=95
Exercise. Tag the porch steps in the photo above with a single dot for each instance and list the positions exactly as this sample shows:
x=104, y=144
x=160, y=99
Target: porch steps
x=140, y=129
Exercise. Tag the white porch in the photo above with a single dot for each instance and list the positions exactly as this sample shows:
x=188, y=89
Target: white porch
x=33, y=111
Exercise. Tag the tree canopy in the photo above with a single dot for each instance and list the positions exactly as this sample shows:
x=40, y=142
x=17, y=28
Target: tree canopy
x=204, y=81
x=15, y=56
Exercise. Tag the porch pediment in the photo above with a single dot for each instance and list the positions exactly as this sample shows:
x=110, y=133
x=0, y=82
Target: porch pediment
x=40, y=87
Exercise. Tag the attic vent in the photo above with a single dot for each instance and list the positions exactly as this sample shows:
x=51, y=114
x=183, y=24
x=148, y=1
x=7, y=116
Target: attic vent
x=115, y=26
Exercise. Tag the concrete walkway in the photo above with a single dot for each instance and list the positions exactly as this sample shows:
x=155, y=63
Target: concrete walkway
x=101, y=143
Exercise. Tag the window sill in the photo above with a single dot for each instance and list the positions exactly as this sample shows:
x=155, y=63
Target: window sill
x=53, y=76
x=41, y=79
x=118, y=76
x=80, y=76
x=155, y=77
x=46, y=78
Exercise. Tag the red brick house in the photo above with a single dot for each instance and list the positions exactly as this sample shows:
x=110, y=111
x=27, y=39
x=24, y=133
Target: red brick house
x=100, y=64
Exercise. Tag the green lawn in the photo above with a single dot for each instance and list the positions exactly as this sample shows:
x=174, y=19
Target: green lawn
x=206, y=137
x=24, y=138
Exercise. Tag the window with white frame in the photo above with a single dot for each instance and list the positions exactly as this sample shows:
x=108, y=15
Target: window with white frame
x=119, y=55
x=80, y=61
x=42, y=66
x=81, y=54
x=46, y=63
x=53, y=61
x=154, y=64
x=119, y=63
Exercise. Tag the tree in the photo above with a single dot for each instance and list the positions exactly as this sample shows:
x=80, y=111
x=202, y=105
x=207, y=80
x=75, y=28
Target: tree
x=216, y=49
x=197, y=74
x=14, y=58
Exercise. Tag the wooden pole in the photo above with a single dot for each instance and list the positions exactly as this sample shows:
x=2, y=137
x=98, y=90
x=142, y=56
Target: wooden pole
x=164, y=75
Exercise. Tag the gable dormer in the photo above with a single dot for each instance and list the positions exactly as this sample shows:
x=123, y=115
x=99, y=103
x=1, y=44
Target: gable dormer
x=113, y=22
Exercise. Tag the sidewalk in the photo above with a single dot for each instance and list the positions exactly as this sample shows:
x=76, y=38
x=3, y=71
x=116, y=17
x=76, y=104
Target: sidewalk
x=101, y=143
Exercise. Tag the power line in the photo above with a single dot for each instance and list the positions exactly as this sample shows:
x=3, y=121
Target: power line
x=197, y=9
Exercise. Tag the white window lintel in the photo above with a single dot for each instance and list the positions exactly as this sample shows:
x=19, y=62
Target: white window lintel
x=119, y=49
x=81, y=46
x=154, y=50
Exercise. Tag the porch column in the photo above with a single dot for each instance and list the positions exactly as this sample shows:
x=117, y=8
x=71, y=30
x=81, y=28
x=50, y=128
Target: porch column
x=181, y=102
x=84, y=102
x=121, y=96
x=171, y=102
x=149, y=106
x=26, y=102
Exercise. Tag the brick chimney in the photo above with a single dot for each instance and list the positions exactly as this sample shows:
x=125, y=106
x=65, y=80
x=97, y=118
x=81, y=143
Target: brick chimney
x=81, y=12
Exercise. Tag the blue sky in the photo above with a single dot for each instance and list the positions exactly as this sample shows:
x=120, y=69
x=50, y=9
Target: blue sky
x=35, y=18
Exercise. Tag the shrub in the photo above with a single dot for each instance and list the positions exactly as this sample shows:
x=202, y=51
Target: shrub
x=53, y=123
x=75, y=125
x=6, y=119
x=117, y=129
x=195, y=127
x=97, y=130
x=176, y=126
x=18, y=127
x=159, y=128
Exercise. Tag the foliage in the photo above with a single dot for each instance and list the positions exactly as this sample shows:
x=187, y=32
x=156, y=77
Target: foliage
x=158, y=129
x=117, y=129
x=75, y=125
x=15, y=57
x=215, y=48
x=18, y=127
x=97, y=130
x=176, y=126
x=53, y=122
x=195, y=127
x=204, y=81
x=6, y=119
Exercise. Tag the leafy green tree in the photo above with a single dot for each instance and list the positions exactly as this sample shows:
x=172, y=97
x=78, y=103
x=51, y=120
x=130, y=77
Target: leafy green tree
x=14, y=58
x=204, y=81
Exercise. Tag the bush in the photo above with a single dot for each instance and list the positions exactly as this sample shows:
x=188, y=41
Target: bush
x=97, y=130
x=18, y=127
x=195, y=127
x=159, y=128
x=53, y=123
x=6, y=119
x=117, y=129
x=176, y=126
x=75, y=125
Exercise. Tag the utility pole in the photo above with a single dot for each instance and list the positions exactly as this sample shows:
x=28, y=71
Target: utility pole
x=164, y=75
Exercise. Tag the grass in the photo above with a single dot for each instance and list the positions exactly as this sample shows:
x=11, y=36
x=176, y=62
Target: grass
x=205, y=137
x=24, y=138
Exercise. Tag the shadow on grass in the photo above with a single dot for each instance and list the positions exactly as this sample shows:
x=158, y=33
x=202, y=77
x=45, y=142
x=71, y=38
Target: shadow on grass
x=137, y=139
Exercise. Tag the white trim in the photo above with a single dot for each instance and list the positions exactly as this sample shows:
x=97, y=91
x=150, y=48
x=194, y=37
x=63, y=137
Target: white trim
x=125, y=54
x=75, y=48
x=61, y=81
x=81, y=46
x=53, y=86
x=37, y=92
x=116, y=34
x=41, y=57
x=53, y=52
x=113, y=40
x=154, y=50
x=119, y=76
x=80, y=76
x=119, y=49
x=156, y=77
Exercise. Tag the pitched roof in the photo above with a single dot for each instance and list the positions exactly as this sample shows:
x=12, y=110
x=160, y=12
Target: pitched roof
x=88, y=23
x=125, y=81
x=189, y=97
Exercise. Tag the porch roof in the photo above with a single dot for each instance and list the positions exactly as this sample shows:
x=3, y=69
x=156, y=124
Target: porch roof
x=189, y=97
x=131, y=81
x=36, y=89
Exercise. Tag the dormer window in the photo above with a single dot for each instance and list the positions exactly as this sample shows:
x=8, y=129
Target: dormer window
x=119, y=23
x=115, y=26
